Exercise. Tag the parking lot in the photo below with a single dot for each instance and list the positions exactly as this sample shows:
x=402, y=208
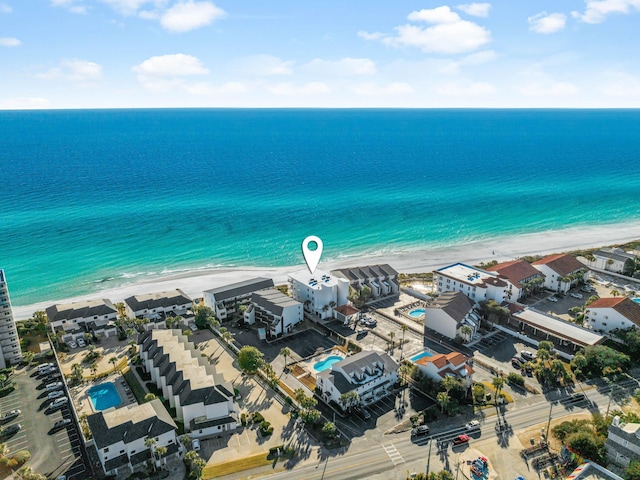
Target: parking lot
x=53, y=453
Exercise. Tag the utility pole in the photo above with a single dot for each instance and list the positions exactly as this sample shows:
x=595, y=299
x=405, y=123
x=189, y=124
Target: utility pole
x=611, y=386
x=546, y=438
x=429, y=458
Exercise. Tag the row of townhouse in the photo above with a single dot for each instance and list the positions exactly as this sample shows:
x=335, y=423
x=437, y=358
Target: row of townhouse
x=227, y=299
x=202, y=397
x=381, y=279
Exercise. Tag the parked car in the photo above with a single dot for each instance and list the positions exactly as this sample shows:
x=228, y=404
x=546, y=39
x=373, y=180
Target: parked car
x=81, y=343
x=552, y=299
x=9, y=415
x=527, y=355
x=361, y=331
x=72, y=344
x=47, y=371
x=58, y=402
x=54, y=386
x=577, y=397
x=54, y=395
x=44, y=366
x=519, y=359
x=460, y=439
x=473, y=425
x=362, y=412
x=576, y=295
x=62, y=423
x=421, y=430
x=11, y=429
x=193, y=327
x=195, y=445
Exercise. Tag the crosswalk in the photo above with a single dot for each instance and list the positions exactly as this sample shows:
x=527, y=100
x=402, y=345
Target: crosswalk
x=393, y=453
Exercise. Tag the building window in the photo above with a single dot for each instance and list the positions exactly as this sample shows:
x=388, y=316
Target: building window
x=121, y=451
x=106, y=450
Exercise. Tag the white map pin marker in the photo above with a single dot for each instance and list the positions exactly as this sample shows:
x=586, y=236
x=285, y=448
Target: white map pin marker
x=312, y=257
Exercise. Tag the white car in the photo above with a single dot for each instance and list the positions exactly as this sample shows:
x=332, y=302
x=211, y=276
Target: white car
x=195, y=445
x=58, y=402
x=472, y=425
x=72, y=344
x=576, y=295
x=81, y=343
x=552, y=299
x=193, y=327
x=44, y=367
x=54, y=386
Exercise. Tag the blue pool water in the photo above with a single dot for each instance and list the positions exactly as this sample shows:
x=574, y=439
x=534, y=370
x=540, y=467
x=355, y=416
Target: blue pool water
x=417, y=357
x=637, y=299
x=326, y=363
x=418, y=312
x=104, y=396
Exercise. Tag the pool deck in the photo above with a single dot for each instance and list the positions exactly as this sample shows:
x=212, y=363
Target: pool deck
x=309, y=363
x=83, y=403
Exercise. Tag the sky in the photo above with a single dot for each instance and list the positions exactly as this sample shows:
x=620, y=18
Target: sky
x=323, y=53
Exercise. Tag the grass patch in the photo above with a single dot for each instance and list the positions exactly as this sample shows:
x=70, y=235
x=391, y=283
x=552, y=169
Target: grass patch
x=247, y=463
x=489, y=387
x=134, y=385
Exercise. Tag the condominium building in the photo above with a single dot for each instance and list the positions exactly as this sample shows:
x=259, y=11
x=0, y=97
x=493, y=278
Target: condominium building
x=561, y=271
x=319, y=292
x=521, y=277
x=278, y=311
x=607, y=314
x=77, y=318
x=381, y=279
x=155, y=306
x=203, y=399
x=438, y=366
x=623, y=442
x=475, y=283
x=11, y=353
x=448, y=314
x=119, y=436
x=226, y=299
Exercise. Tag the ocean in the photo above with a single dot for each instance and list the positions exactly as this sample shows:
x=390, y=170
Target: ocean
x=93, y=199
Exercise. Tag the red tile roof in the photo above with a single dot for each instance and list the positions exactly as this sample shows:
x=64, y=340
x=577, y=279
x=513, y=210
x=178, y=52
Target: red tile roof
x=515, y=271
x=440, y=360
x=563, y=264
x=346, y=310
x=624, y=306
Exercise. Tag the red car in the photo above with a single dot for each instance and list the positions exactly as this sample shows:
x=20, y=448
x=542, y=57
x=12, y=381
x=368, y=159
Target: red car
x=460, y=439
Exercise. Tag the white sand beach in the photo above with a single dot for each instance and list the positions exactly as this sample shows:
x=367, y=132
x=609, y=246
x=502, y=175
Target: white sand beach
x=507, y=248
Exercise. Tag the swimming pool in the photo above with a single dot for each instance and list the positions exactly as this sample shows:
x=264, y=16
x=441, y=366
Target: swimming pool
x=326, y=363
x=637, y=299
x=420, y=355
x=417, y=312
x=104, y=396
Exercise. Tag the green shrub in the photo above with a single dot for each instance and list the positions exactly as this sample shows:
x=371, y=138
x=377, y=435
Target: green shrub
x=257, y=417
x=515, y=378
x=243, y=420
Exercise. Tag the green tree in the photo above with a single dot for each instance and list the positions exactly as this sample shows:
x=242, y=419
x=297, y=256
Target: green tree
x=466, y=332
x=349, y=399
x=448, y=383
x=94, y=368
x=601, y=359
x=404, y=329
x=149, y=396
x=150, y=443
x=614, y=293
x=498, y=383
x=76, y=371
x=587, y=445
x=443, y=400
x=365, y=293
x=27, y=357
x=186, y=441
x=392, y=335
x=202, y=315
x=478, y=393
x=329, y=430
x=187, y=333
x=250, y=359
x=545, y=345
x=633, y=471
x=196, y=468
x=113, y=361
x=285, y=352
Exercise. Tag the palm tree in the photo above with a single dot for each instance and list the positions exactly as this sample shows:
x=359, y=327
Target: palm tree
x=187, y=333
x=404, y=328
x=186, y=441
x=466, y=331
x=133, y=348
x=161, y=452
x=213, y=322
x=227, y=336
x=171, y=322
x=130, y=332
x=76, y=371
x=443, y=400
x=149, y=396
x=27, y=357
x=285, y=352
x=332, y=305
x=449, y=383
x=392, y=336
x=94, y=367
x=498, y=383
x=614, y=293
x=150, y=444
x=40, y=317
x=122, y=309
x=113, y=361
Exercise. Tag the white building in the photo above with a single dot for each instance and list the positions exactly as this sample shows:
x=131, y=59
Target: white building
x=319, y=292
x=278, y=311
x=449, y=312
x=561, y=271
x=77, y=318
x=623, y=442
x=476, y=284
x=521, y=278
x=226, y=299
x=381, y=279
x=156, y=306
x=203, y=399
x=607, y=314
x=439, y=366
x=10, y=352
x=613, y=260
x=372, y=375
x=119, y=436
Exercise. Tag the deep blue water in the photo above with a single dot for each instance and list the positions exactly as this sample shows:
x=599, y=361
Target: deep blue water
x=90, y=199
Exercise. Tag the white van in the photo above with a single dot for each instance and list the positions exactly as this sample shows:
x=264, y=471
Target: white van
x=45, y=366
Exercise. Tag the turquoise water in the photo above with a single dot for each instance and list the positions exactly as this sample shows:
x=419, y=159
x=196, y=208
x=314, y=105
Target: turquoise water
x=326, y=363
x=104, y=396
x=637, y=300
x=95, y=199
x=417, y=357
x=418, y=312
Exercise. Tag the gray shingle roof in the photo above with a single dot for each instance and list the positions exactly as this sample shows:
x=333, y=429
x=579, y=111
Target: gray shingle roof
x=157, y=300
x=614, y=254
x=273, y=300
x=241, y=288
x=86, y=309
x=356, y=363
x=456, y=304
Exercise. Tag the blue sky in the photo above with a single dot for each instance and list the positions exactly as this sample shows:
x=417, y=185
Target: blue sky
x=330, y=53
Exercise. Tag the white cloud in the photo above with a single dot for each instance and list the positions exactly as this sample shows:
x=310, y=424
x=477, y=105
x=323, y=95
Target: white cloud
x=126, y=7
x=596, y=11
x=168, y=72
x=9, y=42
x=190, y=15
x=370, y=36
x=449, y=34
x=74, y=6
x=620, y=84
x=75, y=70
x=475, y=9
x=548, y=88
x=344, y=66
x=376, y=90
x=4, y=8
x=24, y=103
x=434, y=15
x=464, y=88
x=177, y=65
x=545, y=22
x=264, y=65
x=477, y=58
x=289, y=89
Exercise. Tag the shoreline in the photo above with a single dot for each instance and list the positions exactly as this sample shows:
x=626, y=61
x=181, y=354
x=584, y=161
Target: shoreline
x=505, y=248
